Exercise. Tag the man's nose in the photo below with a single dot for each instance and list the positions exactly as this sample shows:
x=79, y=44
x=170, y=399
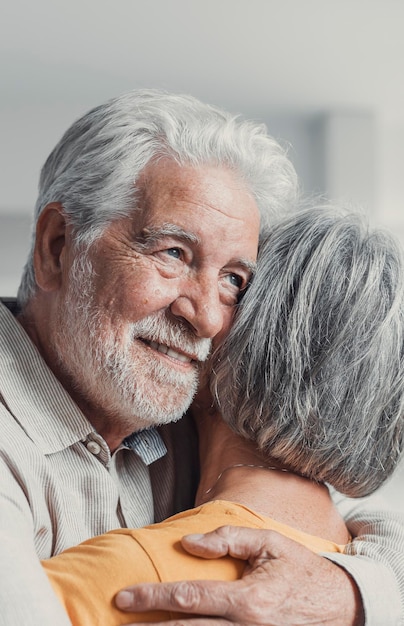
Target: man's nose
x=200, y=306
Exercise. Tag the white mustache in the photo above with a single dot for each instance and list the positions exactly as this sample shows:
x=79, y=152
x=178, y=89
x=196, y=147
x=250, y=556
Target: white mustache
x=159, y=329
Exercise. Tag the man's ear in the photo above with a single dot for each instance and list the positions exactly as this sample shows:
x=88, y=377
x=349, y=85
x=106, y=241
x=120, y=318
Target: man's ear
x=50, y=247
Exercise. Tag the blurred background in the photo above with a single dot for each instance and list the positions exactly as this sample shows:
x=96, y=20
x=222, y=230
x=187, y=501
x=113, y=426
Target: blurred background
x=326, y=76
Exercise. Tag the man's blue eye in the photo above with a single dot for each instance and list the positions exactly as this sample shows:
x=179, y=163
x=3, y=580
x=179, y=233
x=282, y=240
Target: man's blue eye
x=174, y=252
x=236, y=280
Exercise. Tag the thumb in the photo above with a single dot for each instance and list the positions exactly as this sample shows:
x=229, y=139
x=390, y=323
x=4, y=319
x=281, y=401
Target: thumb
x=241, y=543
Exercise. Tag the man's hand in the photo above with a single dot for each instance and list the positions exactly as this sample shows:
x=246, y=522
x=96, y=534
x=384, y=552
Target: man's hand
x=284, y=584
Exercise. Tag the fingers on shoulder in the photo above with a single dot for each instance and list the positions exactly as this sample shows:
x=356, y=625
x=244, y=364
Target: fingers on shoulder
x=239, y=542
x=228, y=601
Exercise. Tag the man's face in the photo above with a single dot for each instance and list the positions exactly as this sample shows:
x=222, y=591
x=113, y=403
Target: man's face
x=163, y=284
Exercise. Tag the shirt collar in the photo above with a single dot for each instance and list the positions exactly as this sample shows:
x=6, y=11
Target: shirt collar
x=148, y=444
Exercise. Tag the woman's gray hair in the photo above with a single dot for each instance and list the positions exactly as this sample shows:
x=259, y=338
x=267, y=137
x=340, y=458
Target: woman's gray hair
x=94, y=168
x=313, y=369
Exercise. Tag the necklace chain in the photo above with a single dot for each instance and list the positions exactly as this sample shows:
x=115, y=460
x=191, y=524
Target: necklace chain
x=267, y=467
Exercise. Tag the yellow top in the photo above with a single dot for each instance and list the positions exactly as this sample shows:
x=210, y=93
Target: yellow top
x=87, y=577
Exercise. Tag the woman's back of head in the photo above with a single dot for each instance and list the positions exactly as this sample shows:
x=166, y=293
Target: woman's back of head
x=313, y=369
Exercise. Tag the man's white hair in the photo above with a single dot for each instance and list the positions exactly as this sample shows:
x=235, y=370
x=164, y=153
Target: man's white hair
x=93, y=170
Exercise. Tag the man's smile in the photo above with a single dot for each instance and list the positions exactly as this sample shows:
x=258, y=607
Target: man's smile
x=171, y=352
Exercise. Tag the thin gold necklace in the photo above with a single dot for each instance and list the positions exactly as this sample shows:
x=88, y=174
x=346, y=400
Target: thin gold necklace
x=268, y=467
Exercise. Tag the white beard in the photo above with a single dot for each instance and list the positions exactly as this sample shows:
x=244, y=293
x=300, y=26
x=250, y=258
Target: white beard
x=112, y=371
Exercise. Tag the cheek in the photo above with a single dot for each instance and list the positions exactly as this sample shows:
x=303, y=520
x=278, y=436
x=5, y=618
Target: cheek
x=134, y=298
x=228, y=317
x=151, y=295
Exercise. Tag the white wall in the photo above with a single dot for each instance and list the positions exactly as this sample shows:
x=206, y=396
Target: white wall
x=351, y=156
x=14, y=245
x=391, y=172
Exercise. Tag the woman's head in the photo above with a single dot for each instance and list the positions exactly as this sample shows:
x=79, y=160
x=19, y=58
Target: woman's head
x=313, y=369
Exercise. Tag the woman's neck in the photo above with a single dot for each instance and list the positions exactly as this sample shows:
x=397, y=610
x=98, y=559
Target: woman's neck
x=220, y=450
x=232, y=469
x=222, y=454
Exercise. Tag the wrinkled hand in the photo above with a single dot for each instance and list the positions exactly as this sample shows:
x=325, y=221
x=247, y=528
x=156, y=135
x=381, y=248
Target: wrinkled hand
x=284, y=584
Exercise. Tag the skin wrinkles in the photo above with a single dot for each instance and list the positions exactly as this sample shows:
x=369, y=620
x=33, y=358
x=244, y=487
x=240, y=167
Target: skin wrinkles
x=152, y=236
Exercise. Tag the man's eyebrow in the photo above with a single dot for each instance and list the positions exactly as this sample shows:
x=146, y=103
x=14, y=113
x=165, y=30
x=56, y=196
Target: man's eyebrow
x=250, y=266
x=152, y=234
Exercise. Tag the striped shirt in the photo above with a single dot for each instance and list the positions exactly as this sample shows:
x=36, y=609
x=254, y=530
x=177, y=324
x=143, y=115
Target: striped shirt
x=73, y=486
x=59, y=483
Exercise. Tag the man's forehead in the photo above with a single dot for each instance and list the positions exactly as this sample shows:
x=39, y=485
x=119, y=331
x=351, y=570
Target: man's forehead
x=204, y=206
x=216, y=187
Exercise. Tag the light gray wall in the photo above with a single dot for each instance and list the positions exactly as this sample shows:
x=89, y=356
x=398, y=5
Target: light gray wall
x=14, y=245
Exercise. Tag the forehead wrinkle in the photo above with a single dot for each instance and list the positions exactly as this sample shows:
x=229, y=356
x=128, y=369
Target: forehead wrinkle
x=217, y=209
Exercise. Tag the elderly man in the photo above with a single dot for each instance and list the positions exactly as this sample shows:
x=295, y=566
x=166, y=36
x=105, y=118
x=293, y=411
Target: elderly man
x=147, y=227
